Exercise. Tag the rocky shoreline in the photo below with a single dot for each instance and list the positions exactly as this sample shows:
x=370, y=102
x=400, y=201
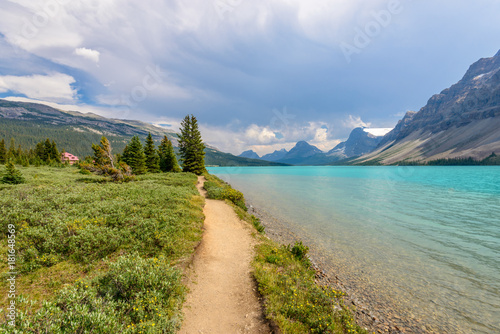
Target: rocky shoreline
x=369, y=316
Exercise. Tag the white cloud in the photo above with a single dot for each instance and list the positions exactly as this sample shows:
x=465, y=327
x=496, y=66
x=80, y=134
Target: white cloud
x=88, y=53
x=261, y=135
x=378, y=131
x=263, y=139
x=53, y=87
x=355, y=122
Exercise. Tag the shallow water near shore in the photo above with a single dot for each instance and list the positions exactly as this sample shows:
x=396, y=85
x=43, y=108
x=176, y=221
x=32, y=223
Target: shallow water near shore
x=423, y=241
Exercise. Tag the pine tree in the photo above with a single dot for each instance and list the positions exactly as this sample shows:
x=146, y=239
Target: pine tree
x=47, y=149
x=102, y=153
x=168, y=160
x=133, y=155
x=12, y=149
x=3, y=152
x=40, y=151
x=12, y=176
x=191, y=146
x=54, y=153
x=19, y=151
x=152, y=158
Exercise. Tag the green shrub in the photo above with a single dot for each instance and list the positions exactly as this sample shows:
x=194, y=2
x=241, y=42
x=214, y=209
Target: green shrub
x=60, y=219
x=293, y=299
x=12, y=175
x=136, y=295
x=298, y=250
x=257, y=224
x=218, y=189
x=94, y=243
x=85, y=171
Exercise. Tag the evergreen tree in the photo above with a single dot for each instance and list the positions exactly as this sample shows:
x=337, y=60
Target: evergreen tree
x=3, y=152
x=102, y=153
x=133, y=155
x=47, y=150
x=168, y=160
x=19, y=151
x=54, y=153
x=12, y=176
x=12, y=149
x=40, y=151
x=191, y=146
x=152, y=158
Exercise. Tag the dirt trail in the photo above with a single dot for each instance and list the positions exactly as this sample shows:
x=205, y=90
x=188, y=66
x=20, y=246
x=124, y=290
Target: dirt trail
x=223, y=296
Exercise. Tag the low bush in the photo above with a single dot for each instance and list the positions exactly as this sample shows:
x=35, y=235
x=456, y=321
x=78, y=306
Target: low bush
x=67, y=229
x=136, y=295
x=12, y=175
x=123, y=173
x=300, y=251
x=293, y=299
x=218, y=189
x=257, y=224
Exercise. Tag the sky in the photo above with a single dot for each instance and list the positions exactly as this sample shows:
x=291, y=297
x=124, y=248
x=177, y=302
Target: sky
x=257, y=74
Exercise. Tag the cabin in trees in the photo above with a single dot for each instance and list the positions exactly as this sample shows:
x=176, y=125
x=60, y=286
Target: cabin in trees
x=69, y=158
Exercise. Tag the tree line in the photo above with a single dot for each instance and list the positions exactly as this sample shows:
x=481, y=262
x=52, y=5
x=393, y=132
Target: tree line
x=490, y=160
x=137, y=159
x=45, y=152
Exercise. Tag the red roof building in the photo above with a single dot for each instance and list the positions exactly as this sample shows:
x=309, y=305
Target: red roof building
x=69, y=158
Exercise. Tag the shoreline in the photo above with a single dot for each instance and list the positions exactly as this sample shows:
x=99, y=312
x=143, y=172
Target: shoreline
x=367, y=315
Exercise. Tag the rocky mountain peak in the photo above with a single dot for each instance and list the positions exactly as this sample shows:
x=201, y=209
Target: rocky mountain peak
x=358, y=143
x=461, y=121
x=249, y=154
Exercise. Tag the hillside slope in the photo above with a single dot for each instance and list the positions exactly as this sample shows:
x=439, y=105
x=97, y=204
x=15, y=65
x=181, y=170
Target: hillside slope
x=461, y=121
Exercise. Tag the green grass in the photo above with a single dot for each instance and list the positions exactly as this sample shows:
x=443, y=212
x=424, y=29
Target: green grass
x=293, y=299
x=218, y=189
x=130, y=237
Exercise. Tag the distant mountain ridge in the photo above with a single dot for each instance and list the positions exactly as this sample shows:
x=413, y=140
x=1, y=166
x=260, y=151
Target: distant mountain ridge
x=275, y=156
x=360, y=141
x=249, y=154
x=301, y=153
x=462, y=121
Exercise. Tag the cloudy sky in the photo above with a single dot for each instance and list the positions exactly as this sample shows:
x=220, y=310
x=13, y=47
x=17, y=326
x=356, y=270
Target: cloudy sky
x=258, y=74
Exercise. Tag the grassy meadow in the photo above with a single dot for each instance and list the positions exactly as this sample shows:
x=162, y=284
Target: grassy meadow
x=95, y=256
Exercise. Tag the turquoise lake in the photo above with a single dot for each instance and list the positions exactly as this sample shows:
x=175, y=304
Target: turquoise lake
x=423, y=241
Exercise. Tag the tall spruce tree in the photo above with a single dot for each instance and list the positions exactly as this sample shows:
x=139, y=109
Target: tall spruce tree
x=40, y=151
x=11, y=154
x=54, y=153
x=152, y=158
x=133, y=155
x=191, y=146
x=3, y=152
x=168, y=160
x=47, y=150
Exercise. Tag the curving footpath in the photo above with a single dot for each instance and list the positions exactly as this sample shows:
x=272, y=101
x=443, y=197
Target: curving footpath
x=223, y=297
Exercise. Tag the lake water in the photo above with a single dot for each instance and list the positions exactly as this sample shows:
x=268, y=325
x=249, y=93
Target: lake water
x=424, y=241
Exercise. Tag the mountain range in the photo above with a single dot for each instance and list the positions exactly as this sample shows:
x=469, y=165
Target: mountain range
x=460, y=122
x=463, y=121
x=360, y=141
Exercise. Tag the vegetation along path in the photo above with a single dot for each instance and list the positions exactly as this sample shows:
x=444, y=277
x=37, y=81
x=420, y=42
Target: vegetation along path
x=223, y=297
